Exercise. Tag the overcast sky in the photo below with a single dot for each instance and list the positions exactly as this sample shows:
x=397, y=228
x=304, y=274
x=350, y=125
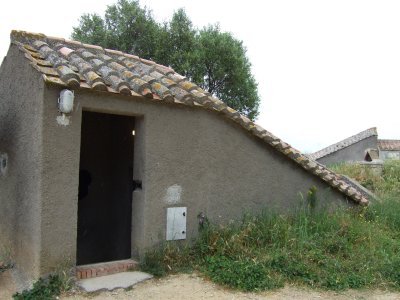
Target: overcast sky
x=325, y=69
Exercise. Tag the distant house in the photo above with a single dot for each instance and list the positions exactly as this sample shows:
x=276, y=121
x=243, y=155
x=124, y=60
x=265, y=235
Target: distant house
x=105, y=154
x=354, y=148
x=389, y=149
x=362, y=147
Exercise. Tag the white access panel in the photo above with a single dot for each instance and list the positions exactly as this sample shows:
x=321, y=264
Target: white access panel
x=176, y=223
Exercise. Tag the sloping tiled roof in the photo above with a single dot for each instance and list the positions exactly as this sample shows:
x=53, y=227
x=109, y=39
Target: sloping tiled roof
x=77, y=65
x=343, y=144
x=389, y=145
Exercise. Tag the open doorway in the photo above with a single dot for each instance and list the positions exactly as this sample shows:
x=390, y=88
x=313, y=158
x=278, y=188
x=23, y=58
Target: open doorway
x=105, y=188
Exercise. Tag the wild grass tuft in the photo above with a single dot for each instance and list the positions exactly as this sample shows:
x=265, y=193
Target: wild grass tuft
x=168, y=258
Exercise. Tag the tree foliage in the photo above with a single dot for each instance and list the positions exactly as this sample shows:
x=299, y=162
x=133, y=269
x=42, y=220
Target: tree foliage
x=224, y=70
x=177, y=44
x=213, y=59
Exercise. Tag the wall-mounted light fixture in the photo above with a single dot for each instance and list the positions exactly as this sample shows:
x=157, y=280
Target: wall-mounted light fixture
x=65, y=106
x=66, y=101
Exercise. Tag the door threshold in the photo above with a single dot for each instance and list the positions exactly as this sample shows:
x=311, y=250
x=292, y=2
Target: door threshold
x=105, y=268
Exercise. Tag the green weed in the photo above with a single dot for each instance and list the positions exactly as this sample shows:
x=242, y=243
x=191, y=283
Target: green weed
x=48, y=288
x=242, y=273
x=43, y=289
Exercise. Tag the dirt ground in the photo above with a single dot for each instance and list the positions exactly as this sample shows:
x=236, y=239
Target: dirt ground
x=191, y=286
x=7, y=286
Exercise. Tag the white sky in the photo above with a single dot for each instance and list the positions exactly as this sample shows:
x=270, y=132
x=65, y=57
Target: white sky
x=326, y=69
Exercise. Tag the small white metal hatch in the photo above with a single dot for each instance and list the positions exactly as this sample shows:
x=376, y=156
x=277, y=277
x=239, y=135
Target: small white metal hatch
x=176, y=223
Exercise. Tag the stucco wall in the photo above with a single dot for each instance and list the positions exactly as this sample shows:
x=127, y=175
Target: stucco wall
x=222, y=170
x=21, y=94
x=384, y=155
x=60, y=181
x=354, y=152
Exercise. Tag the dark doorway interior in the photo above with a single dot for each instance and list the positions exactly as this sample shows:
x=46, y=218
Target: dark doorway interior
x=105, y=188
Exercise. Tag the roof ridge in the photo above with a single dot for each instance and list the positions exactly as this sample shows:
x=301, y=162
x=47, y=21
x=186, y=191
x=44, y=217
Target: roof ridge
x=344, y=143
x=71, y=63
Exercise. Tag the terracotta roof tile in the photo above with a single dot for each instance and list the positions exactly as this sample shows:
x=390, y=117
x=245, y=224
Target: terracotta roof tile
x=71, y=63
x=344, y=143
x=389, y=145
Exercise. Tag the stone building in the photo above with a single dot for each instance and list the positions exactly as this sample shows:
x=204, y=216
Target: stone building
x=364, y=147
x=351, y=149
x=105, y=154
x=389, y=149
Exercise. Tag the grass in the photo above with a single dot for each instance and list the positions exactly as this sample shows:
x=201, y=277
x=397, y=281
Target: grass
x=385, y=185
x=348, y=248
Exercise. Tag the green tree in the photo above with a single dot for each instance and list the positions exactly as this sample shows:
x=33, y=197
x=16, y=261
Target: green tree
x=224, y=70
x=126, y=26
x=214, y=60
x=91, y=30
x=177, y=44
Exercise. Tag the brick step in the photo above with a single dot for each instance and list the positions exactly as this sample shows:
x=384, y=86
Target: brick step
x=106, y=268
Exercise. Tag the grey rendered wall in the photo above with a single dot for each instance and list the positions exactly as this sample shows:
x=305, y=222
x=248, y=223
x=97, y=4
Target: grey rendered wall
x=355, y=152
x=21, y=94
x=218, y=168
x=61, y=151
x=384, y=155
